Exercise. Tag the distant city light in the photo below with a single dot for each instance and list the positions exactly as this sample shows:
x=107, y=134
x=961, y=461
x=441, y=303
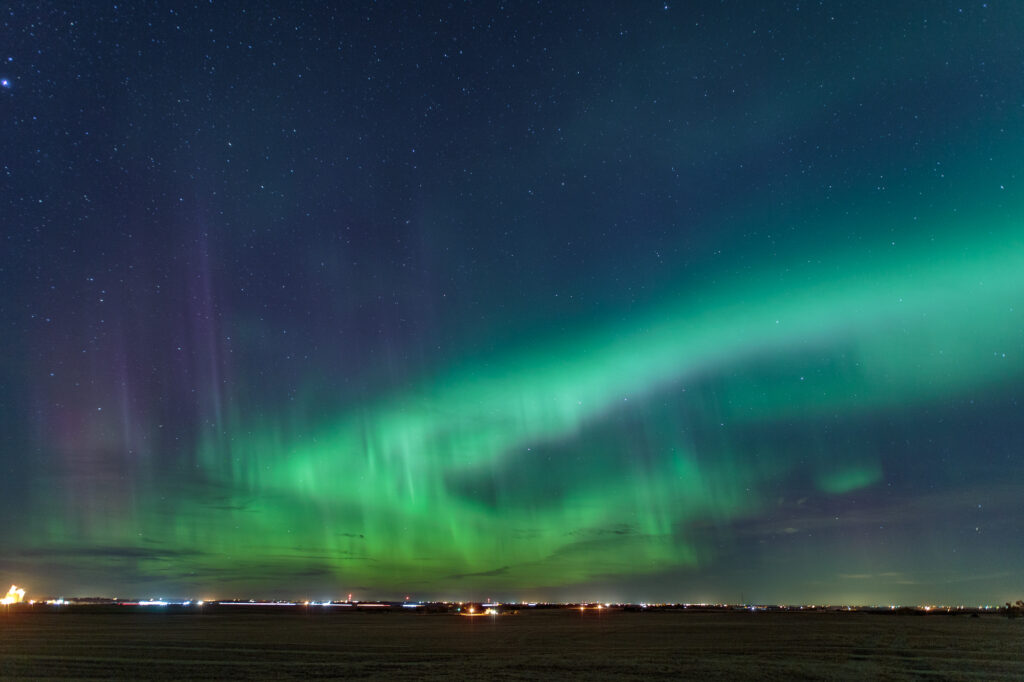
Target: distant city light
x=495, y=608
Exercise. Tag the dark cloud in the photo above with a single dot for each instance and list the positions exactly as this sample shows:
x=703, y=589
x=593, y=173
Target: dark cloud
x=110, y=553
x=481, y=574
x=614, y=529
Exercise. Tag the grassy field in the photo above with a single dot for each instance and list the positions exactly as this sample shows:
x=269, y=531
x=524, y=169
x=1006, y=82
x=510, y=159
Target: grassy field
x=542, y=644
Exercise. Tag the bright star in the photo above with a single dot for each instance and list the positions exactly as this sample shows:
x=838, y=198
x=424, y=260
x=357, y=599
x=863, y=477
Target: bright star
x=5, y=83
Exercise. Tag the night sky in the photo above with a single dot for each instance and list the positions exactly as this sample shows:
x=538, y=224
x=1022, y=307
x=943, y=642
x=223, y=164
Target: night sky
x=656, y=301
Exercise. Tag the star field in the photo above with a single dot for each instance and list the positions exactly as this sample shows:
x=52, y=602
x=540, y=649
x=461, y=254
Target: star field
x=649, y=301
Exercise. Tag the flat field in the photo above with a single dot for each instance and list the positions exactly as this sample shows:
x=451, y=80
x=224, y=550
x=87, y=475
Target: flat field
x=126, y=643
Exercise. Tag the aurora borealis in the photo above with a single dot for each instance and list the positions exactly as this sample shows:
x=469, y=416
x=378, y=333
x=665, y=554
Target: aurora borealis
x=683, y=302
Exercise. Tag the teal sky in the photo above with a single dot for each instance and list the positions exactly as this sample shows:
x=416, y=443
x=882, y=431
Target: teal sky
x=647, y=301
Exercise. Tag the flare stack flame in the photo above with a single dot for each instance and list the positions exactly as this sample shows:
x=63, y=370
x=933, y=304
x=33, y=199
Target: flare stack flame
x=15, y=595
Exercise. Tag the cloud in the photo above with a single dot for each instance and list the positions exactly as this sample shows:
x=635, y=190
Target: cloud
x=75, y=552
x=614, y=529
x=481, y=574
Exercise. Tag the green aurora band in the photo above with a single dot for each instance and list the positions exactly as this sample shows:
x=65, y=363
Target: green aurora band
x=509, y=470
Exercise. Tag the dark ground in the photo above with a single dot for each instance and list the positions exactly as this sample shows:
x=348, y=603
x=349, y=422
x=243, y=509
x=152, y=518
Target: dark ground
x=544, y=644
